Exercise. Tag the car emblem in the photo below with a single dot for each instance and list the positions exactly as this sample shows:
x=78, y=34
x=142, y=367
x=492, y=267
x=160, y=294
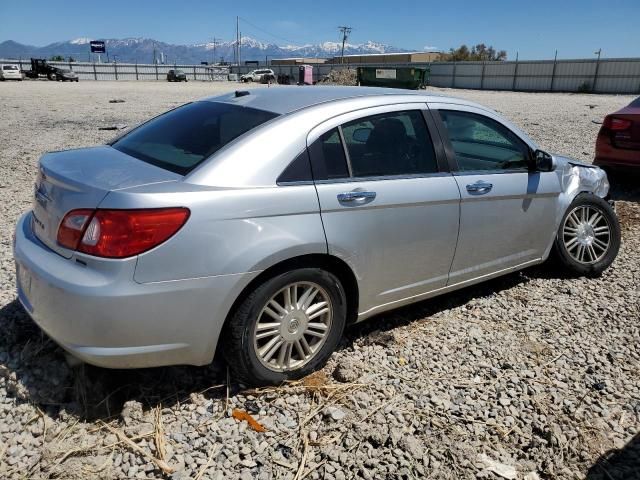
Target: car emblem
x=40, y=191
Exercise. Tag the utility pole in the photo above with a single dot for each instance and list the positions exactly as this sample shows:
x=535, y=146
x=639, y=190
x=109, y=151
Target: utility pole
x=237, y=49
x=240, y=49
x=346, y=31
x=595, y=75
x=215, y=41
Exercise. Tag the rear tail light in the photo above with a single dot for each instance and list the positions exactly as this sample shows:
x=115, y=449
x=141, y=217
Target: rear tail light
x=119, y=233
x=617, y=124
x=72, y=228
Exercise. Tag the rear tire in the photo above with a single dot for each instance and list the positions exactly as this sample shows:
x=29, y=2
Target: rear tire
x=300, y=315
x=588, y=237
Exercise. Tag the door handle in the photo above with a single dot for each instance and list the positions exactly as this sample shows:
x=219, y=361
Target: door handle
x=479, y=188
x=355, y=196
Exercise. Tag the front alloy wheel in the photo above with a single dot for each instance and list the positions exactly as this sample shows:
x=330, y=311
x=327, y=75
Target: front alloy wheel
x=588, y=239
x=586, y=234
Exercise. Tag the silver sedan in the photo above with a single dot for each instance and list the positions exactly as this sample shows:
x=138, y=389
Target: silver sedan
x=263, y=222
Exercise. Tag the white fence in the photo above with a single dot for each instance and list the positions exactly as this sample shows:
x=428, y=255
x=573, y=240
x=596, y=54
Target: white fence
x=604, y=76
x=133, y=71
x=615, y=75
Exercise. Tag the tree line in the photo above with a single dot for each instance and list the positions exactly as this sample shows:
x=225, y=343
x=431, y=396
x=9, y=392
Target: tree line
x=479, y=52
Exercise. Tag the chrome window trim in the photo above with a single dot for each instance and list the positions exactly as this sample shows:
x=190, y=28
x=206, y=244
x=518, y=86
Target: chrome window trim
x=382, y=178
x=463, y=173
x=338, y=120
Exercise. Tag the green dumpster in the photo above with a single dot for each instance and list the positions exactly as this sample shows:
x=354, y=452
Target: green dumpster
x=393, y=77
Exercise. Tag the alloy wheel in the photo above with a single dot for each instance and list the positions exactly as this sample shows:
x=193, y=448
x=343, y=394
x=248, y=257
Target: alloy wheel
x=586, y=234
x=293, y=326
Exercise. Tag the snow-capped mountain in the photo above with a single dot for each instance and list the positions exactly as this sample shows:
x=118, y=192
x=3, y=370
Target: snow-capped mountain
x=142, y=50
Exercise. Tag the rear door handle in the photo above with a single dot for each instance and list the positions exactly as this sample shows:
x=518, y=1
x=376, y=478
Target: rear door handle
x=355, y=196
x=479, y=188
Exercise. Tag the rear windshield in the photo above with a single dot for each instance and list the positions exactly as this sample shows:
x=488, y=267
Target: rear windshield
x=9, y=67
x=181, y=139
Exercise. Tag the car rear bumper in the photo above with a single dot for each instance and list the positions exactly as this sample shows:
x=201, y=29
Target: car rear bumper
x=616, y=158
x=108, y=319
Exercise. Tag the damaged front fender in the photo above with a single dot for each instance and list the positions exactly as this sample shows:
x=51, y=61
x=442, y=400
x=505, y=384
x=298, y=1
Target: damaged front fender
x=577, y=177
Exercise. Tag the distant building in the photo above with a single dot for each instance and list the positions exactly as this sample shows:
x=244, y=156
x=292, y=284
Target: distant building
x=381, y=58
x=297, y=61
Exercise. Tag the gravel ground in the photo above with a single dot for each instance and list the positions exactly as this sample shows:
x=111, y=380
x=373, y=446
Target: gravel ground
x=533, y=375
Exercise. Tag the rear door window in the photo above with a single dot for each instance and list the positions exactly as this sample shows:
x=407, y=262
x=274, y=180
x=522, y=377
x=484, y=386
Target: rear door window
x=396, y=143
x=181, y=139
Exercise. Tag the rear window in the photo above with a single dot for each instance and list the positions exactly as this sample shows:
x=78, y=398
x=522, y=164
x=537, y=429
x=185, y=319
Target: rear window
x=181, y=139
x=9, y=67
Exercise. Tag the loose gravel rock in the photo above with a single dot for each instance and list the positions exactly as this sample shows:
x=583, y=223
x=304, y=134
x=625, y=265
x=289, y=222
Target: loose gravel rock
x=533, y=374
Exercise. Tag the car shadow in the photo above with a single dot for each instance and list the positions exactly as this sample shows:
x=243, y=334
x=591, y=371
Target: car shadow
x=36, y=369
x=618, y=464
x=625, y=187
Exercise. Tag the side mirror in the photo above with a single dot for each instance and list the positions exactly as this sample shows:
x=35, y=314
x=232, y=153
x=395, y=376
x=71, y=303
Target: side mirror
x=544, y=162
x=361, y=134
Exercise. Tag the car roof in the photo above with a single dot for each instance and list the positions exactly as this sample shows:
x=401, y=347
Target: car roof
x=287, y=99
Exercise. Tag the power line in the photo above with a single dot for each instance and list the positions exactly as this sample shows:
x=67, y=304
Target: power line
x=346, y=31
x=268, y=33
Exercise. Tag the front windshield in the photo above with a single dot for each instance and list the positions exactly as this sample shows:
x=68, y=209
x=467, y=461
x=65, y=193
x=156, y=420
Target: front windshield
x=181, y=139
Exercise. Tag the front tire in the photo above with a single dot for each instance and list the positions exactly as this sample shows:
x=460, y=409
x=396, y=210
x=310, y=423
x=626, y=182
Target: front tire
x=588, y=238
x=286, y=328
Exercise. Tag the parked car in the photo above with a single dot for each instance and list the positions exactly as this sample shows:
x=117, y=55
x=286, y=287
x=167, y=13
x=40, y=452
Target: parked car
x=264, y=222
x=176, y=76
x=10, y=72
x=618, y=143
x=66, y=75
x=256, y=75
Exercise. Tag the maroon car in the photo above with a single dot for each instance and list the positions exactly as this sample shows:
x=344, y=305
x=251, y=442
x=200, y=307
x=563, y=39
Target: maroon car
x=618, y=143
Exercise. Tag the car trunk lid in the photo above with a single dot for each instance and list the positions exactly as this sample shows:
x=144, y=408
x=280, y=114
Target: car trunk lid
x=81, y=178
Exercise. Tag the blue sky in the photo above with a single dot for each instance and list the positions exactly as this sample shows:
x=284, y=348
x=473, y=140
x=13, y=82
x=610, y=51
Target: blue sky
x=534, y=29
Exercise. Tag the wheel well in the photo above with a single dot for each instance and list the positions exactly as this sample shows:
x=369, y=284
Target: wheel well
x=332, y=264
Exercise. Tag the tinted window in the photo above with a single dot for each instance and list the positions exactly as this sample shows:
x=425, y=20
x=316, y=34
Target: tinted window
x=635, y=103
x=299, y=170
x=327, y=157
x=481, y=143
x=181, y=139
x=395, y=143
x=9, y=67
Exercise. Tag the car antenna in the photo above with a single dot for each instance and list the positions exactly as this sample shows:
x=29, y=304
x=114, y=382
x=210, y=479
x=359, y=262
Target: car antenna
x=241, y=93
